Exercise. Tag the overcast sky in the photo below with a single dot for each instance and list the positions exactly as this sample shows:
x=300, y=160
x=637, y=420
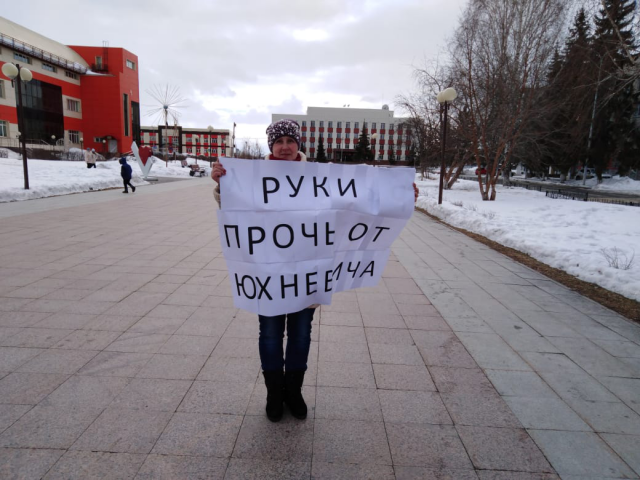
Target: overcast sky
x=242, y=60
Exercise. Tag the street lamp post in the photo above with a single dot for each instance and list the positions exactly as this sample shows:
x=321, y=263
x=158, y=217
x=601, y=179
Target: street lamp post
x=53, y=142
x=444, y=97
x=13, y=72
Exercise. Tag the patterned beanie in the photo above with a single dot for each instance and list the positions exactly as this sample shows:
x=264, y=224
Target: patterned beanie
x=283, y=128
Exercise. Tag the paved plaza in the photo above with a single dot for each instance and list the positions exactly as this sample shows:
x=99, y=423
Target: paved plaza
x=122, y=356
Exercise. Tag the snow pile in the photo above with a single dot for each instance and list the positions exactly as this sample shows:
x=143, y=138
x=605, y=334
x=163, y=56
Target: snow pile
x=619, y=184
x=566, y=234
x=50, y=178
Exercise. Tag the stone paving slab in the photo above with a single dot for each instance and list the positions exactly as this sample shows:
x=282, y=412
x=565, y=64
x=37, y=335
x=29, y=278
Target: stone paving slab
x=122, y=356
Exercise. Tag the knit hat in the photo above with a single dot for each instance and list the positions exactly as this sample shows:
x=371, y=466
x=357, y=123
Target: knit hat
x=283, y=128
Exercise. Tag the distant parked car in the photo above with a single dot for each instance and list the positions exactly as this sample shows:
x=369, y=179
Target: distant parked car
x=590, y=173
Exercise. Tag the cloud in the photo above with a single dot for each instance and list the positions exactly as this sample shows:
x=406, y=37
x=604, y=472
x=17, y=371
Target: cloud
x=242, y=61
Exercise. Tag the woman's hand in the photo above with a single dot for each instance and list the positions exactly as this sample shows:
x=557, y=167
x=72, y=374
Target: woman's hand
x=416, y=192
x=217, y=171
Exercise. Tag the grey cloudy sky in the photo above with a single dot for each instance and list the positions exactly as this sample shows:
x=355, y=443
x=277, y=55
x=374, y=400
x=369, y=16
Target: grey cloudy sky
x=242, y=60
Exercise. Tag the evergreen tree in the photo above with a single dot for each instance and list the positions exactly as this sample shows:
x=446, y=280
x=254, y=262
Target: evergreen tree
x=363, y=151
x=392, y=155
x=571, y=95
x=321, y=156
x=615, y=134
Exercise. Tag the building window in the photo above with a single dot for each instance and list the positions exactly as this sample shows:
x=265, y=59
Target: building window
x=330, y=135
x=4, y=128
x=330, y=124
x=304, y=123
x=373, y=125
x=356, y=125
x=379, y=157
x=21, y=58
x=313, y=123
x=97, y=140
x=381, y=136
x=321, y=123
x=348, y=124
x=339, y=135
x=125, y=105
x=99, y=62
x=339, y=124
x=73, y=105
x=382, y=126
x=49, y=68
x=74, y=136
x=131, y=65
x=391, y=126
x=322, y=136
x=71, y=74
x=2, y=94
x=313, y=144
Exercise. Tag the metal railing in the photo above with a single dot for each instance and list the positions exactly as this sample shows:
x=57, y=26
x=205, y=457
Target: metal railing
x=32, y=51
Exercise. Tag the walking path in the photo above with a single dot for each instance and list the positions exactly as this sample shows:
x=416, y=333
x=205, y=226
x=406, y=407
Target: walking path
x=121, y=356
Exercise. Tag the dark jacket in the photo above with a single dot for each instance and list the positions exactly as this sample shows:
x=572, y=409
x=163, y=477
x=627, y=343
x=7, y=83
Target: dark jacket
x=125, y=170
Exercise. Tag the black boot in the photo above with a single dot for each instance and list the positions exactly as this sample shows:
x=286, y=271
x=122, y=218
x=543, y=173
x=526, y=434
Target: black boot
x=275, y=394
x=293, y=394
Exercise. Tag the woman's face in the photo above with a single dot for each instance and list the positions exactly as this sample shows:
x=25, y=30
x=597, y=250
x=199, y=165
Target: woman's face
x=285, y=148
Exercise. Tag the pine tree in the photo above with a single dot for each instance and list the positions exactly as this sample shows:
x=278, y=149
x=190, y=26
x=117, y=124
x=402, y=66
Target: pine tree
x=615, y=135
x=321, y=156
x=363, y=151
x=570, y=97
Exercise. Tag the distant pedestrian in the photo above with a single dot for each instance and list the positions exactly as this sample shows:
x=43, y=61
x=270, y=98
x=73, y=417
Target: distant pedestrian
x=90, y=158
x=125, y=172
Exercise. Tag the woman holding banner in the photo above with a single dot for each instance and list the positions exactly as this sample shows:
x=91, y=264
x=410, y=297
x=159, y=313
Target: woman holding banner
x=283, y=370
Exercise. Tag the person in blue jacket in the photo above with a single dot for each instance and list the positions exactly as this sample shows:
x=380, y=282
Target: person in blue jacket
x=125, y=173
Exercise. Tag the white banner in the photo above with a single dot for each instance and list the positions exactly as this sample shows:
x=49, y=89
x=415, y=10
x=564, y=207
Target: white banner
x=293, y=233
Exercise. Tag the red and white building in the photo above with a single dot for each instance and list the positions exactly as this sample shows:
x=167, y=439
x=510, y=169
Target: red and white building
x=79, y=96
x=340, y=129
x=210, y=142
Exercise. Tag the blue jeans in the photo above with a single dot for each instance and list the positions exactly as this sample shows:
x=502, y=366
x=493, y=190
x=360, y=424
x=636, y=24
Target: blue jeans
x=298, y=341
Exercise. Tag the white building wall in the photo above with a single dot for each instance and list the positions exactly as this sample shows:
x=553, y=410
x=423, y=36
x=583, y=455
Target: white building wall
x=351, y=115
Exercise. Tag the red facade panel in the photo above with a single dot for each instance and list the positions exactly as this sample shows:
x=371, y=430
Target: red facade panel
x=103, y=97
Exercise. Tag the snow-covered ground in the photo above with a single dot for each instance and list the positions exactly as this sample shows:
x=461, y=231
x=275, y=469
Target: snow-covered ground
x=566, y=234
x=48, y=178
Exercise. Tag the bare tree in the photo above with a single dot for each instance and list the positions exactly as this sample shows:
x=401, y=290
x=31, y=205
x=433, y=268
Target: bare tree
x=500, y=55
x=426, y=125
x=251, y=150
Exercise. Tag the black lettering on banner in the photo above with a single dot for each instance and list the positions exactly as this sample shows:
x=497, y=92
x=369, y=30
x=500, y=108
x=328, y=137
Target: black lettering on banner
x=275, y=236
x=226, y=234
x=329, y=232
x=380, y=229
x=327, y=281
x=253, y=241
x=354, y=270
x=366, y=229
x=316, y=187
x=310, y=283
x=336, y=272
x=263, y=288
x=351, y=184
x=293, y=187
x=367, y=269
x=284, y=286
x=266, y=192
x=240, y=284
x=315, y=233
